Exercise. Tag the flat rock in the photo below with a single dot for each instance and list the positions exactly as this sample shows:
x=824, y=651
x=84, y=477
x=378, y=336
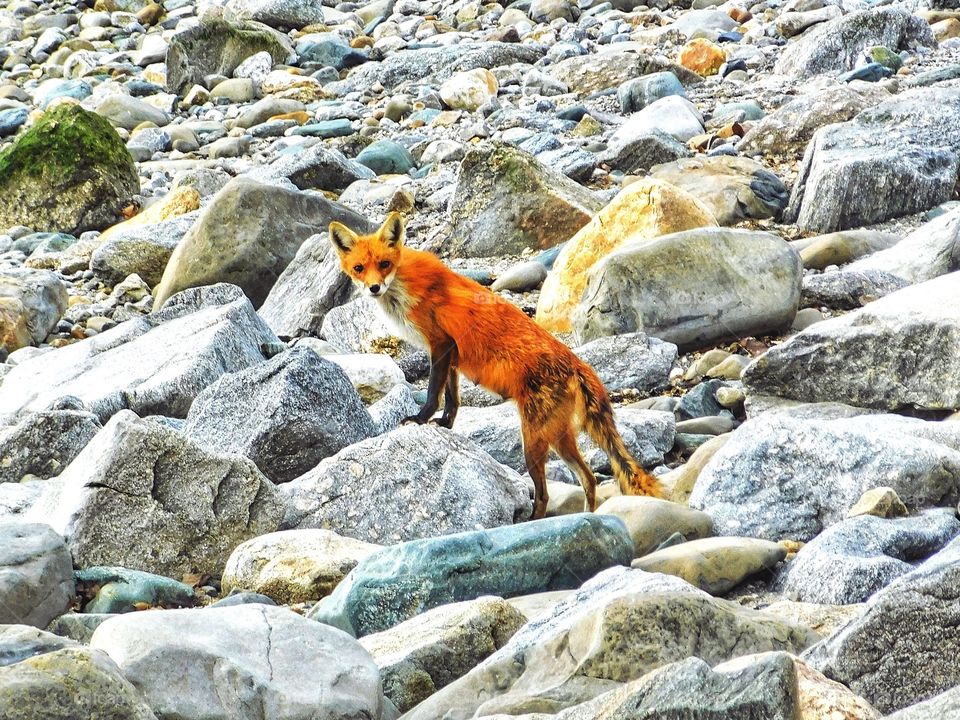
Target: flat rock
x=551, y=554
x=692, y=288
x=293, y=566
x=36, y=574
x=142, y=496
x=156, y=364
x=594, y=73
x=651, y=521
x=241, y=663
x=420, y=656
x=42, y=444
x=896, y=352
x=414, y=482
x=848, y=289
x=850, y=561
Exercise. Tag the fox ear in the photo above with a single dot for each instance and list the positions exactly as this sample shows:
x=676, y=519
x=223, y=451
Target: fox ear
x=392, y=232
x=341, y=237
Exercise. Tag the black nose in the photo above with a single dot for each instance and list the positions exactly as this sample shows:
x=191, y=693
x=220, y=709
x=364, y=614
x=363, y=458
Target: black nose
x=374, y=289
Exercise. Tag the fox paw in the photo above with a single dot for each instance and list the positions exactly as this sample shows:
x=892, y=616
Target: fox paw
x=412, y=420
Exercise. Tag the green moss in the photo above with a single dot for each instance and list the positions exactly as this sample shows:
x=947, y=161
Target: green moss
x=64, y=142
x=515, y=168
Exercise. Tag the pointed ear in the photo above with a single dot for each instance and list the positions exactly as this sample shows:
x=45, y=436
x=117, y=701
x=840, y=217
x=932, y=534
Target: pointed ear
x=341, y=237
x=392, y=232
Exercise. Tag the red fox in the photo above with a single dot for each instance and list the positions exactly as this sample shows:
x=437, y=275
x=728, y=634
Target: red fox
x=469, y=329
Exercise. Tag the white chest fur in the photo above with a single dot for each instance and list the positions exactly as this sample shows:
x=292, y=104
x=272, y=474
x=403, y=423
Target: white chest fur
x=395, y=305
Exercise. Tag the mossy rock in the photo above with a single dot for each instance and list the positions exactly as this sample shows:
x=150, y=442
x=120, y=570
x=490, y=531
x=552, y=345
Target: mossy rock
x=217, y=46
x=69, y=173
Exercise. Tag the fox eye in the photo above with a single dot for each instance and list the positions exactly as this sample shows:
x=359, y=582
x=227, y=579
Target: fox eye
x=358, y=268
x=384, y=264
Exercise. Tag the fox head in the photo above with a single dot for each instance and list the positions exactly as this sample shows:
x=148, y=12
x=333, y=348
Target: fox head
x=370, y=260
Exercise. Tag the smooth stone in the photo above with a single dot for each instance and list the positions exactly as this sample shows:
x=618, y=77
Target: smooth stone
x=121, y=590
x=36, y=574
x=651, y=521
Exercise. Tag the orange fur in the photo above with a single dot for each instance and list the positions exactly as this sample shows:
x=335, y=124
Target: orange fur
x=469, y=329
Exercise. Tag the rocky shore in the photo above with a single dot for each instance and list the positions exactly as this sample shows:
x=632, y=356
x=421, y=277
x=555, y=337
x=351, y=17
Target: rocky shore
x=742, y=214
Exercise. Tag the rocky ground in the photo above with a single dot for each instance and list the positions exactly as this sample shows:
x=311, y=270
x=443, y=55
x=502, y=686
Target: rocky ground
x=743, y=215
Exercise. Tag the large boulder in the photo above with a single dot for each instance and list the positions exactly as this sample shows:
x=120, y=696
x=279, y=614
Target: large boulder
x=896, y=352
x=70, y=683
x=897, y=158
x=592, y=73
x=70, y=172
x=31, y=303
x=36, y=574
x=506, y=201
x=142, y=496
x=836, y=45
x=216, y=47
x=156, y=364
x=286, y=414
x=632, y=360
x=414, y=482
x=945, y=706
x=42, y=444
x=245, y=662
x=143, y=250
x=850, y=561
x=614, y=629
x=553, y=554
x=900, y=650
x=247, y=236
x=644, y=209
x=782, y=477
x=309, y=287
x=692, y=288
x=293, y=566
x=421, y=655
x=279, y=13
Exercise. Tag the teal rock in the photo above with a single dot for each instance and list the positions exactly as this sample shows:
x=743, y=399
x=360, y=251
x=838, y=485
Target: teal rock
x=426, y=116
x=636, y=94
x=11, y=120
x=50, y=242
x=326, y=129
x=122, y=589
x=549, y=256
x=386, y=157
x=53, y=89
x=737, y=112
x=331, y=52
x=400, y=581
x=872, y=72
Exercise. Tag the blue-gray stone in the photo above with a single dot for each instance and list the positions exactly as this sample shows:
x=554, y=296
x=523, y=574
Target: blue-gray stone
x=850, y=561
x=426, y=116
x=78, y=626
x=729, y=36
x=701, y=401
x=540, y=142
x=737, y=112
x=244, y=598
x=50, y=242
x=401, y=581
x=385, y=157
x=19, y=642
x=11, y=120
x=549, y=256
x=122, y=589
x=574, y=113
x=326, y=129
x=483, y=276
x=636, y=94
x=872, y=72
x=331, y=52
x=53, y=89
x=142, y=88
x=731, y=66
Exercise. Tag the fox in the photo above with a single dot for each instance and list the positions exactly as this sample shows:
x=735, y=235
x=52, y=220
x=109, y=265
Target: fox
x=469, y=329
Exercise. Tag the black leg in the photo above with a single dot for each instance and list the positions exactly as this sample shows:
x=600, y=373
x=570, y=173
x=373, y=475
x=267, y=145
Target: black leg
x=440, y=362
x=451, y=399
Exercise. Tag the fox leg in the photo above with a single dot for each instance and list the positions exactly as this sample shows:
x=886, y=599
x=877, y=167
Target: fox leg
x=451, y=397
x=535, y=449
x=566, y=447
x=441, y=359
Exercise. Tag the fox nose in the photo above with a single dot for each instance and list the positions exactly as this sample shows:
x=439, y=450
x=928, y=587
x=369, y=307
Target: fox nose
x=375, y=289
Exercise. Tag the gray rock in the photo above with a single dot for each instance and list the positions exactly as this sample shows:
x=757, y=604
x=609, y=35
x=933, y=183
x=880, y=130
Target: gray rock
x=839, y=248
x=651, y=521
x=933, y=249
x=782, y=477
x=143, y=250
x=216, y=47
x=835, y=45
x=244, y=662
x=636, y=94
x=637, y=154
x=521, y=278
x=263, y=110
x=692, y=288
x=420, y=656
x=119, y=590
x=674, y=115
x=31, y=303
x=847, y=289
x=315, y=167
x=155, y=364
x=309, y=287
x=19, y=642
x=44, y=443
x=896, y=652
x=787, y=130
x=647, y=434
x=78, y=626
x=588, y=74
x=506, y=201
x=945, y=706
x=897, y=158
x=616, y=628
x=36, y=574
x=286, y=414
x=897, y=352
x=279, y=13
x=390, y=410
x=144, y=497
x=247, y=236
x=850, y=561
x=127, y=112
x=414, y=482
x=551, y=554
x=70, y=683
x=17, y=498
x=631, y=360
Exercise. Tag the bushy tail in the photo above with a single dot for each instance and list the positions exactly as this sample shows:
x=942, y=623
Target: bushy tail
x=599, y=424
